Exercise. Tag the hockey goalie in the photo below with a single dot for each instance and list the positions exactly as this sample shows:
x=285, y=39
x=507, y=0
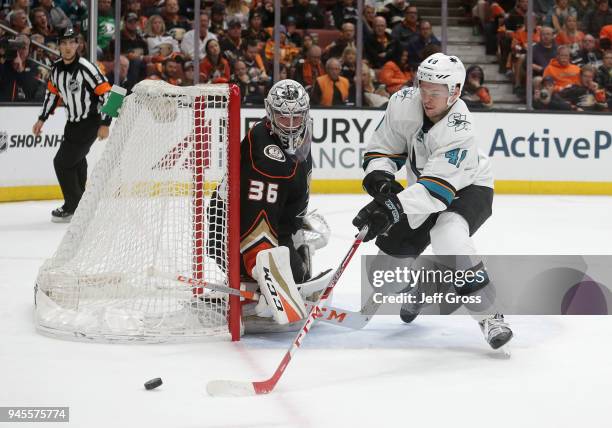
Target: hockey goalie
x=277, y=236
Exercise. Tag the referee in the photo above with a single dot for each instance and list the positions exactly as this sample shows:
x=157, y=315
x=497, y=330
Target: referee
x=83, y=90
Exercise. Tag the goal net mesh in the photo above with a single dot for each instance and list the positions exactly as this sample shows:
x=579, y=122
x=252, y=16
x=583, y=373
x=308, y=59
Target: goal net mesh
x=145, y=211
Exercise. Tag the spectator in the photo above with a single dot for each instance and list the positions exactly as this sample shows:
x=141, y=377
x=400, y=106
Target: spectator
x=23, y=5
x=251, y=92
x=474, y=94
x=106, y=24
x=171, y=72
x=331, y=89
x=589, y=54
x=369, y=13
x=267, y=13
x=378, y=44
x=562, y=71
x=307, y=71
x=172, y=18
x=583, y=7
x=396, y=72
x=349, y=65
x=18, y=74
x=372, y=97
x=288, y=52
x=57, y=18
x=214, y=68
x=347, y=38
x=417, y=44
x=594, y=20
x=405, y=30
x=134, y=6
x=344, y=11
x=544, y=51
x=489, y=18
x=155, y=34
x=124, y=69
x=165, y=51
x=586, y=95
x=307, y=15
x=37, y=53
x=604, y=76
x=519, y=49
x=293, y=36
x=542, y=7
x=19, y=22
x=255, y=31
x=231, y=44
x=188, y=74
x=131, y=40
x=605, y=37
x=395, y=11
x=571, y=36
x=307, y=43
x=516, y=17
x=558, y=14
x=545, y=97
x=187, y=44
x=218, y=24
x=237, y=10
x=40, y=25
x=254, y=63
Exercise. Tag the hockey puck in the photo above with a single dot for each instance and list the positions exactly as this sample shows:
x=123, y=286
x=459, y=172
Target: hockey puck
x=153, y=383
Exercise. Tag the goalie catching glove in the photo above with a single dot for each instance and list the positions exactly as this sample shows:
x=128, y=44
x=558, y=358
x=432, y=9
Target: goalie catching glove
x=379, y=215
x=281, y=298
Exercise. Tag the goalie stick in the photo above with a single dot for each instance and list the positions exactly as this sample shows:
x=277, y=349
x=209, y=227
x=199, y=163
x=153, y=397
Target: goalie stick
x=242, y=388
x=355, y=320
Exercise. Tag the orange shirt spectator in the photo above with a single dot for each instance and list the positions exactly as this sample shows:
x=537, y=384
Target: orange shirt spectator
x=214, y=68
x=396, y=73
x=562, y=71
x=519, y=37
x=606, y=32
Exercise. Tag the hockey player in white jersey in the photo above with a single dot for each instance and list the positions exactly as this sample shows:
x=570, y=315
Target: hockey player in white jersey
x=429, y=130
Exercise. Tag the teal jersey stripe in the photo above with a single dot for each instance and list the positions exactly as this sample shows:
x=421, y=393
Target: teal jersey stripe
x=398, y=160
x=438, y=191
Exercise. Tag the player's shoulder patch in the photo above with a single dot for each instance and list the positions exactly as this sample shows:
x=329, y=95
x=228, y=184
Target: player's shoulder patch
x=404, y=94
x=459, y=122
x=274, y=152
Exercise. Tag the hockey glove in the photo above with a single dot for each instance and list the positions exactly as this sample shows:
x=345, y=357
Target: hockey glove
x=380, y=214
x=381, y=182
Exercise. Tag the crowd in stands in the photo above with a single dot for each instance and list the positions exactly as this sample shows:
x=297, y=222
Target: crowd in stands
x=237, y=44
x=572, y=51
x=572, y=60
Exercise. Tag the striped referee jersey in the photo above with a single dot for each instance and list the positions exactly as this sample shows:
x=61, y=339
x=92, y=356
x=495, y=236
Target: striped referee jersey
x=82, y=88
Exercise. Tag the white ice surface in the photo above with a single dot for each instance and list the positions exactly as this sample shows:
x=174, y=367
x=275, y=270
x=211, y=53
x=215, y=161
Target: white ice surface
x=437, y=372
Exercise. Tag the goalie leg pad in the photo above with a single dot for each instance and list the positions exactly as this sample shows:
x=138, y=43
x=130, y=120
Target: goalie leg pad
x=281, y=296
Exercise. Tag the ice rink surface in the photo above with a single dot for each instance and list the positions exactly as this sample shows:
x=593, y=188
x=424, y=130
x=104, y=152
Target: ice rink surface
x=436, y=372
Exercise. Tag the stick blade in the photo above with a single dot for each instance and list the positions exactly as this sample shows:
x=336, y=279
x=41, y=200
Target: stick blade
x=230, y=388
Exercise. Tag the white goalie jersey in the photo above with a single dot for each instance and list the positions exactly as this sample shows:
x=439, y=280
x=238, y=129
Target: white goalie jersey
x=440, y=159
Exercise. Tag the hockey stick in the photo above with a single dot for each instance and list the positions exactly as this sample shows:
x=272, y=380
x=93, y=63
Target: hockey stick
x=242, y=388
x=328, y=314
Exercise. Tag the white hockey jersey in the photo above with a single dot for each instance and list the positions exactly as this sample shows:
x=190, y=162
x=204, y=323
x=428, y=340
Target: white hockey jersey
x=440, y=159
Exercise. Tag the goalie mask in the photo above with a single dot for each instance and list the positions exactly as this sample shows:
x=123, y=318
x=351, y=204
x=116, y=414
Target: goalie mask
x=287, y=106
x=444, y=69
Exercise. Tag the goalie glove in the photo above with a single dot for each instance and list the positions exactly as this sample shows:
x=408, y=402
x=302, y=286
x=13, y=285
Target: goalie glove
x=381, y=182
x=281, y=298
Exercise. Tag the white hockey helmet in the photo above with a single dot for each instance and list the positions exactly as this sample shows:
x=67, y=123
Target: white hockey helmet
x=287, y=107
x=444, y=69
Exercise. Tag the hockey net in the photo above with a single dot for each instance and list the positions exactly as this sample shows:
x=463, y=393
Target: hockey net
x=145, y=210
